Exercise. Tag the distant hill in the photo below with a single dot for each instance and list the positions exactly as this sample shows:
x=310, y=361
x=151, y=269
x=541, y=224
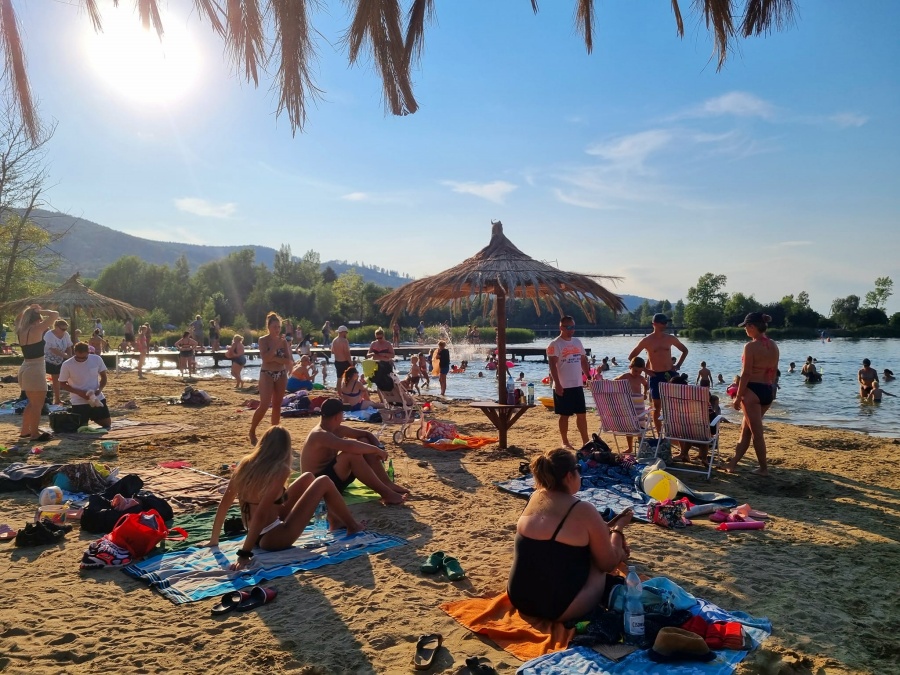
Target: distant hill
x=633, y=302
x=89, y=248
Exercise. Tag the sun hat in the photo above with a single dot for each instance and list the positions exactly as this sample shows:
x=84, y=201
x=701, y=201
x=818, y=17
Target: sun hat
x=753, y=317
x=674, y=644
x=343, y=329
x=660, y=318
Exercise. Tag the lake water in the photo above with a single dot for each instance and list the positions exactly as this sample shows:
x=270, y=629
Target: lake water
x=834, y=402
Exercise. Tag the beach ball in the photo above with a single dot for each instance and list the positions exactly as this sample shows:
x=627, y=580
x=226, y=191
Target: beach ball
x=661, y=485
x=51, y=495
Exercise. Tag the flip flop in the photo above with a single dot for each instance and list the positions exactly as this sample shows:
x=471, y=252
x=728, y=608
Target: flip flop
x=747, y=512
x=453, y=569
x=229, y=601
x=7, y=533
x=258, y=596
x=480, y=665
x=433, y=563
x=426, y=648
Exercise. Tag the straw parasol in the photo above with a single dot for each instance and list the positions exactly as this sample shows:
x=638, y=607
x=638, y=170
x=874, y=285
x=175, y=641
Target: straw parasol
x=73, y=296
x=503, y=271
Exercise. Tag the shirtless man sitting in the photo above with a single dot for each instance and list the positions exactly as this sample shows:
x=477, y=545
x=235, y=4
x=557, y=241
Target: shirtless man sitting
x=344, y=454
x=659, y=363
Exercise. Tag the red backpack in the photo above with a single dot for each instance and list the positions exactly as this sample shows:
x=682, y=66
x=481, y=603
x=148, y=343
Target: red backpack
x=141, y=532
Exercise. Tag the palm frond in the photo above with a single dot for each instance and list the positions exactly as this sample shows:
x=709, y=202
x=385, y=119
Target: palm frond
x=148, y=11
x=534, y=6
x=584, y=20
x=245, y=36
x=761, y=15
x=212, y=11
x=93, y=12
x=376, y=23
x=676, y=10
x=294, y=79
x=14, y=68
x=421, y=12
x=720, y=21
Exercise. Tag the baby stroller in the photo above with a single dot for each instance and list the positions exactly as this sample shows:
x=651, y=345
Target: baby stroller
x=400, y=408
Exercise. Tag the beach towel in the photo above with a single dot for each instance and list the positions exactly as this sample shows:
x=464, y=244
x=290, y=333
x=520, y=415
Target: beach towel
x=357, y=493
x=496, y=618
x=611, y=489
x=460, y=442
x=199, y=527
x=362, y=415
x=583, y=660
x=185, y=489
x=198, y=573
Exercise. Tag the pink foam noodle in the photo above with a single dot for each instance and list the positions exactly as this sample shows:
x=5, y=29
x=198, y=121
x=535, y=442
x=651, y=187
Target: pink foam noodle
x=749, y=525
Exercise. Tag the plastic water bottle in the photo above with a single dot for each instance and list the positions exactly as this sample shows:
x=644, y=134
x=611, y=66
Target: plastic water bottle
x=390, y=469
x=530, y=393
x=510, y=390
x=320, y=522
x=634, y=609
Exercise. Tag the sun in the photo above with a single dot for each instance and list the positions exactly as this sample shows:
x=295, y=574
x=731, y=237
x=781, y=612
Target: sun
x=137, y=65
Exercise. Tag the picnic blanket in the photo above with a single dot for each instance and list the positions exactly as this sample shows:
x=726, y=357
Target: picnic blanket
x=496, y=618
x=586, y=661
x=198, y=573
x=199, y=527
x=124, y=428
x=611, y=489
x=185, y=489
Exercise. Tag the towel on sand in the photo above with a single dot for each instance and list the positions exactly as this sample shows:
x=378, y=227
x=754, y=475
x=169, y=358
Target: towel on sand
x=496, y=618
x=198, y=573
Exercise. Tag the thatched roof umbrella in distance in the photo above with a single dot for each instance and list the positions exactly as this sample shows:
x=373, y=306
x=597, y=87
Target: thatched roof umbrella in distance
x=502, y=270
x=73, y=296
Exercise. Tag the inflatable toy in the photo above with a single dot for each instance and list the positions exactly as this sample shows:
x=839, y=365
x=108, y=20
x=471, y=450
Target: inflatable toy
x=747, y=525
x=661, y=485
x=51, y=495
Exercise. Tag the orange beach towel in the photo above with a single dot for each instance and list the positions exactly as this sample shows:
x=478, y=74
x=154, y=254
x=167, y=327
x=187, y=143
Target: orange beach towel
x=524, y=637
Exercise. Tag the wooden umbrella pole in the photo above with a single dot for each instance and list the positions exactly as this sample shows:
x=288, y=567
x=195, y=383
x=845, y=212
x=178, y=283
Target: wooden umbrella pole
x=501, y=347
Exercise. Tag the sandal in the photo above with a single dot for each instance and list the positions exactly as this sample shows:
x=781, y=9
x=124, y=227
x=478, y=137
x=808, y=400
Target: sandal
x=426, y=648
x=258, y=596
x=229, y=601
x=453, y=569
x=42, y=438
x=433, y=563
x=480, y=665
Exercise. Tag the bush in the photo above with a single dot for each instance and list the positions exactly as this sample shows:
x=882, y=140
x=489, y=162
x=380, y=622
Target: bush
x=699, y=333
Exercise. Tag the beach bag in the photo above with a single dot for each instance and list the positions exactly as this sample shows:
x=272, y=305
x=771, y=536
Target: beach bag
x=192, y=396
x=654, y=600
x=649, y=448
x=65, y=421
x=668, y=514
x=436, y=429
x=140, y=533
x=100, y=517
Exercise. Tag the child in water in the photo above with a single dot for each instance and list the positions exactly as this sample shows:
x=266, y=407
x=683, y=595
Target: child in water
x=415, y=373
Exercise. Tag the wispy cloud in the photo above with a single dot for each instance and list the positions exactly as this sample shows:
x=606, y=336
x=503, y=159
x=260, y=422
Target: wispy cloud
x=205, y=208
x=494, y=192
x=163, y=232
x=735, y=104
x=848, y=119
x=631, y=151
x=356, y=197
x=374, y=198
x=792, y=244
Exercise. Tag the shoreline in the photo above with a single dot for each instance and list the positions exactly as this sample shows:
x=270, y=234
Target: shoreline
x=835, y=524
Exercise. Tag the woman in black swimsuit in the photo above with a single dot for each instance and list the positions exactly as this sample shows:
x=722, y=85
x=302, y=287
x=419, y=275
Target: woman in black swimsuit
x=381, y=349
x=275, y=515
x=273, y=373
x=563, y=549
x=31, y=325
x=756, y=390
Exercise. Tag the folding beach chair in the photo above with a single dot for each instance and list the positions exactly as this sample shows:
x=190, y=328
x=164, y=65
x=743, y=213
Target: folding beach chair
x=617, y=413
x=685, y=417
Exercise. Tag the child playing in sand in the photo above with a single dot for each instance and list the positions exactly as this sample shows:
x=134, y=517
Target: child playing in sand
x=635, y=377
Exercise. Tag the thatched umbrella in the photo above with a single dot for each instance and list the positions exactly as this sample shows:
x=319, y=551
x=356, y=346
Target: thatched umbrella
x=503, y=271
x=73, y=296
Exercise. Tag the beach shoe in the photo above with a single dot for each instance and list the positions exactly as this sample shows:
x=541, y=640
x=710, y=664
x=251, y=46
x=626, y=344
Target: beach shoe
x=433, y=563
x=258, y=596
x=7, y=533
x=229, y=601
x=426, y=648
x=453, y=569
x=38, y=535
x=53, y=527
x=745, y=511
x=480, y=665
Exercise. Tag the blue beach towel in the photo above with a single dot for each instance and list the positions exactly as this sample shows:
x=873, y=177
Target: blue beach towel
x=585, y=661
x=201, y=572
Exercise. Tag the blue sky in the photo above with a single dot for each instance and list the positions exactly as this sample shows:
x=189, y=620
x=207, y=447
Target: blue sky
x=640, y=160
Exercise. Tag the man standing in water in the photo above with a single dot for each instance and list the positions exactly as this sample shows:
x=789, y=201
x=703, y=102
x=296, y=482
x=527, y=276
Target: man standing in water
x=568, y=363
x=660, y=365
x=340, y=350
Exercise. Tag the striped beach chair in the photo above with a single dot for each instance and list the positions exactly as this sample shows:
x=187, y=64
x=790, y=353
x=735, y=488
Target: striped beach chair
x=617, y=412
x=685, y=417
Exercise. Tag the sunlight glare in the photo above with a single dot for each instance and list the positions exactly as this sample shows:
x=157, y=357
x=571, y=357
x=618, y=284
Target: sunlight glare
x=137, y=65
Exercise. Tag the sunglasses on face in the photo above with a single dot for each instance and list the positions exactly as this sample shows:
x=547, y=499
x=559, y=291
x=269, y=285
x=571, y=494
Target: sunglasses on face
x=572, y=327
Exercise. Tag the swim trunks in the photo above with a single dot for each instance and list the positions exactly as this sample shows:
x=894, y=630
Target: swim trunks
x=340, y=367
x=340, y=483
x=570, y=403
x=656, y=378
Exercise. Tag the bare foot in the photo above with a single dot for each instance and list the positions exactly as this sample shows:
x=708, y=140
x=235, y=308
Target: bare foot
x=731, y=467
x=760, y=472
x=252, y=437
x=356, y=527
x=394, y=499
x=399, y=488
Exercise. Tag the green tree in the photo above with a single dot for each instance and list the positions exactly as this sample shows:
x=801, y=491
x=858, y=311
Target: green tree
x=737, y=307
x=329, y=276
x=678, y=313
x=884, y=288
x=284, y=269
x=706, y=302
x=845, y=311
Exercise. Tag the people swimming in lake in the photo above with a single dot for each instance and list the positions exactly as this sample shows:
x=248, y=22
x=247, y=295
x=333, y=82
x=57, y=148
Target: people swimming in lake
x=809, y=370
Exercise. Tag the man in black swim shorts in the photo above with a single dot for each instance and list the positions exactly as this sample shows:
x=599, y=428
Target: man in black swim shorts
x=660, y=366
x=344, y=454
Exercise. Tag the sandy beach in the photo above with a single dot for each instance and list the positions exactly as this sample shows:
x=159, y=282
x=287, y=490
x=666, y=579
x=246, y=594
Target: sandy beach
x=826, y=570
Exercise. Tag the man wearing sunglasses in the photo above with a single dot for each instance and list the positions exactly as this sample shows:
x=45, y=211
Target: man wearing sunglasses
x=568, y=368
x=84, y=377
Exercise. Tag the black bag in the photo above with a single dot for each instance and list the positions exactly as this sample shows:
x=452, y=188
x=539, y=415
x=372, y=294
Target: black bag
x=100, y=517
x=65, y=421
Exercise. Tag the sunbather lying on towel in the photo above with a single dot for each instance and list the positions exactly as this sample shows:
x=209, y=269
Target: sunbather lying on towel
x=273, y=514
x=563, y=549
x=344, y=454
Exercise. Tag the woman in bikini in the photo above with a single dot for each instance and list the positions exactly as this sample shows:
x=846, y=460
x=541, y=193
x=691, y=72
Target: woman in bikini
x=275, y=513
x=353, y=393
x=186, y=346
x=381, y=349
x=867, y=377
x=564, y=551
x=31, y=325
x=755, y=392
x=276, y=362
x=235, y=352
x=142, y=346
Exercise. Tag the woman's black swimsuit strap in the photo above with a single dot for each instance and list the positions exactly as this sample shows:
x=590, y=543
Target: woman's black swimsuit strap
x=563, y=521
